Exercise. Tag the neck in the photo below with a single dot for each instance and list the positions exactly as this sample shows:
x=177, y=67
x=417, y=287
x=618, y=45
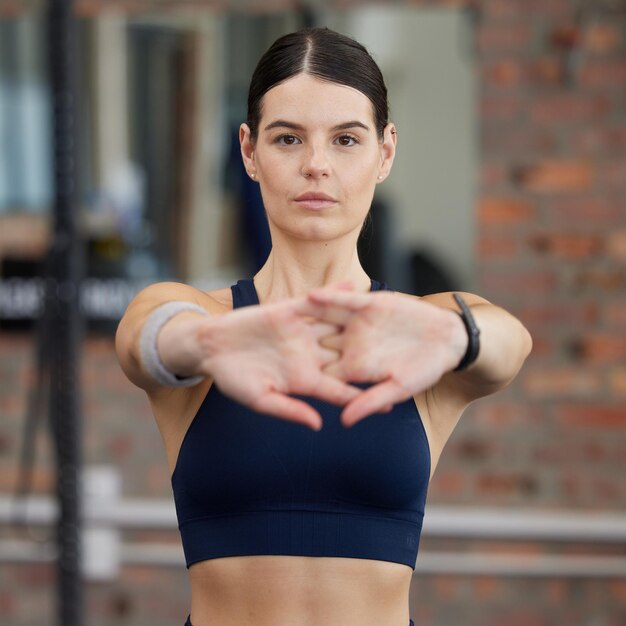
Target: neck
x=292, y=269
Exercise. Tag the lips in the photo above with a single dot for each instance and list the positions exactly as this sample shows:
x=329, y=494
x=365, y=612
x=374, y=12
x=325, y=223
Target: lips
x=315, y=200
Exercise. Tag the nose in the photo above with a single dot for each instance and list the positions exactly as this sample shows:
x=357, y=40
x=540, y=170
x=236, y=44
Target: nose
x=315, y=163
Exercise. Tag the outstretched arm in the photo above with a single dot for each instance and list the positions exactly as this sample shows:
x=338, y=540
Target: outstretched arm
x=504, y=345
x=258, y=355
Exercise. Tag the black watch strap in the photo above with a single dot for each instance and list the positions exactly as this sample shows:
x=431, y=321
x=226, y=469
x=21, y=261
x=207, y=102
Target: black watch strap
x=473, y=333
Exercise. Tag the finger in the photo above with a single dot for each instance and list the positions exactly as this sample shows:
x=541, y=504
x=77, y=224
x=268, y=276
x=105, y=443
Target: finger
x=335, y=391
x=322, y=329
x=345, y=285
x=353, y=370
x=335, y=369
x=321, y=313
x=326, y=357
x=304, y=307
x=349, y=300
x=288, y=408
x=330, y=314
x=373, y=400
x=333, y=342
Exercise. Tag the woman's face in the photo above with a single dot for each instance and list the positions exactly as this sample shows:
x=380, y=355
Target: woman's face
x=317, y=157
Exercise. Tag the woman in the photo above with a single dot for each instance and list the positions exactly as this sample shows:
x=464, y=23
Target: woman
x=303, y=412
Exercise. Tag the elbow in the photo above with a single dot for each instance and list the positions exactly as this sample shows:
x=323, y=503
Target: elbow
x=127, y=353
x=123, y=347
x=123, y=341
x=511, y=358
x=528, y=343
x=524, y=348
x=503, y=358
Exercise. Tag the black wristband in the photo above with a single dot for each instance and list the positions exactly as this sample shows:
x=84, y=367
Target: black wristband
x=473, y=342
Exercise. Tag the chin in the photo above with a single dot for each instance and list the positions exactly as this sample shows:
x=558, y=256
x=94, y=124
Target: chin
x=315, y=229
x=315, y=234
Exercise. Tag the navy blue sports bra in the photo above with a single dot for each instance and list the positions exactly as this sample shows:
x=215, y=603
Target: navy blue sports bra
x=251, y=484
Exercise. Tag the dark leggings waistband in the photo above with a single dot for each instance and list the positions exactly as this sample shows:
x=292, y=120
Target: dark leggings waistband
x=188, y=622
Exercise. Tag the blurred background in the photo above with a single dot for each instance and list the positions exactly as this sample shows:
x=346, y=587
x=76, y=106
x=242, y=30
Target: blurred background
x=510, y=181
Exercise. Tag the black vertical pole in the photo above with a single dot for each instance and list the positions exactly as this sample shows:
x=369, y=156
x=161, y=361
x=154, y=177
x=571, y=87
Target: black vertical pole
x=63, y=301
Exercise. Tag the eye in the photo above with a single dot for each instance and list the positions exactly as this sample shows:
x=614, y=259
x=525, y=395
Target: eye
x=347, y=140
x=287, y=140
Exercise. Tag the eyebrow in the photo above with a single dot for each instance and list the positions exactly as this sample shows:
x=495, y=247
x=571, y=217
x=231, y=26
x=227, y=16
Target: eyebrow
x=294, y=126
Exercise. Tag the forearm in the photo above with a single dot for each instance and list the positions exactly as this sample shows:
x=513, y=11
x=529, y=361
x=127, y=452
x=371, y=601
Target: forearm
x=180, y=344
x=504, y=345
x=153, y=315
x=504, y=341
x=165, y=352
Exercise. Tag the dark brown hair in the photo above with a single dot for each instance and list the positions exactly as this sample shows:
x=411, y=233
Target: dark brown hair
x=325, y=54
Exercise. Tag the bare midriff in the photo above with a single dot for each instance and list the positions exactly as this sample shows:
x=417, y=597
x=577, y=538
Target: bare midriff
x=299, y=591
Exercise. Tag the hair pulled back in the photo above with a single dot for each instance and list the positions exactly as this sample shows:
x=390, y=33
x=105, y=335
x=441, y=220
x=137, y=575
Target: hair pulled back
x=325, y=54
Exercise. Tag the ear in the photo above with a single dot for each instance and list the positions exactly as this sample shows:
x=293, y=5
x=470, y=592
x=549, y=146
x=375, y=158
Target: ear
x=247, y=149
x=387, y=151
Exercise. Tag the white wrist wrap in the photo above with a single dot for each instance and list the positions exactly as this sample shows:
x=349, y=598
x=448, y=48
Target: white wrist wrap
x=149, y=353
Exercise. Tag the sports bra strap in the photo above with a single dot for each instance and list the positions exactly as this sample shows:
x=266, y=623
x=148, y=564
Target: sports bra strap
x=244, y=293
x=378, y=286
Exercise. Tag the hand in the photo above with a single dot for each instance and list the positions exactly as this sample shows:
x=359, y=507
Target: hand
x=399, y=342
x=258, y=355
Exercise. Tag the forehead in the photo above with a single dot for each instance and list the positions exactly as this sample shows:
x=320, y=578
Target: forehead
x=312, y=101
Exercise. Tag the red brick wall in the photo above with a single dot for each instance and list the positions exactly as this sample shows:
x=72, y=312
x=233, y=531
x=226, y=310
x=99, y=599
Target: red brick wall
x=551, y=248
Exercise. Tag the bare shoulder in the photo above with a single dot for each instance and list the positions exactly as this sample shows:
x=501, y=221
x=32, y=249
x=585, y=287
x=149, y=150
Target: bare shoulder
x=221, y=300
x=216, y=302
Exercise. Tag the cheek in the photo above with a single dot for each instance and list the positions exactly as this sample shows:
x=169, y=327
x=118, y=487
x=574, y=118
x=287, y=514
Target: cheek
x=366, y=165
x=360, y=180
x=276, y=170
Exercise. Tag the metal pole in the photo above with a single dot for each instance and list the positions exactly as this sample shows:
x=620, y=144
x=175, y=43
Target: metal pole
x=62, y=289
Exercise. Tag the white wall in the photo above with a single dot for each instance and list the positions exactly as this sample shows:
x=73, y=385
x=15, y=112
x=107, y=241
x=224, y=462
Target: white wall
x=426, y=58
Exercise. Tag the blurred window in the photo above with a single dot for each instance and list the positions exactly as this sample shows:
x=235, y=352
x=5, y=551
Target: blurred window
x=25, y=158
